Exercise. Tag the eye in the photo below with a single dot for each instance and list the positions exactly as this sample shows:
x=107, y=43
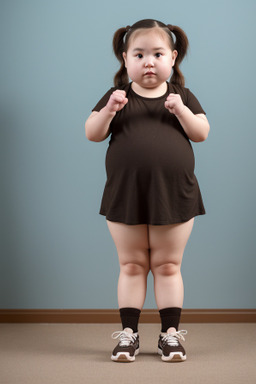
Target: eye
x=139, y=55
x=158, y=54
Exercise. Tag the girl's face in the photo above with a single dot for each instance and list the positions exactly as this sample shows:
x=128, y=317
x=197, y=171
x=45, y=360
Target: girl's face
x=149, y=58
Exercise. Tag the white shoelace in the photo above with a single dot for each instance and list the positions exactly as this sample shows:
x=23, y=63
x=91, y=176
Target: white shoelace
x=172, y=338
x=125, y=338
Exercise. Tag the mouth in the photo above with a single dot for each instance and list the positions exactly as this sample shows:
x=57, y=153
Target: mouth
x=149, y=73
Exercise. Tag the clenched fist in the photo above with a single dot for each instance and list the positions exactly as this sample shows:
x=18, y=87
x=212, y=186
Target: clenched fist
x=117, y=101
x=174, y=104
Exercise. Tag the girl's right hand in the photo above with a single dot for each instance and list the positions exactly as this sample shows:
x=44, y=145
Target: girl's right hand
x=117, y=101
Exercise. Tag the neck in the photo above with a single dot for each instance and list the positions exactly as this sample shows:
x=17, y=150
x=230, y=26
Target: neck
x=150, y=92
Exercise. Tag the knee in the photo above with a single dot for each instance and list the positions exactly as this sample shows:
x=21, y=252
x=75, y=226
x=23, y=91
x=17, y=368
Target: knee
x=134, y=269
x=166, y=269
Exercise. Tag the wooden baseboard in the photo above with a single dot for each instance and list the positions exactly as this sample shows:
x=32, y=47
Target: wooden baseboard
x=112, y=316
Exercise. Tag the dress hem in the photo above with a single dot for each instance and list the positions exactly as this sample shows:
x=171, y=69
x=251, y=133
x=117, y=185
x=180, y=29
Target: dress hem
x=174, y=221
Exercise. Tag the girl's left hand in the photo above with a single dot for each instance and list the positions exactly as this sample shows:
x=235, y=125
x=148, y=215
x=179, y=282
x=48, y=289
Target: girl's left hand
x=174, y=104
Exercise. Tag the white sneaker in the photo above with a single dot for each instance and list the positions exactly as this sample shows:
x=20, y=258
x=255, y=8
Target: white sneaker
x=128, y=346
x=170, y=348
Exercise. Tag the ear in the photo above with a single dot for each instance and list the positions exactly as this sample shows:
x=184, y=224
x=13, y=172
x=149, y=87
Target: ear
x=174, y=56
x=125, y=58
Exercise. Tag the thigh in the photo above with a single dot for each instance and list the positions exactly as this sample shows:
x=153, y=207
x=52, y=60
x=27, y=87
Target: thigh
x=168, y=242
x=131, y=242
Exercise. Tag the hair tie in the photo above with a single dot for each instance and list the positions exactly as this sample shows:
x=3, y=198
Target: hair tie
x=128, y=28
x=170, y=27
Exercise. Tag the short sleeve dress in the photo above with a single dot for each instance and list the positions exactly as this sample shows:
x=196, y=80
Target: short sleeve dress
x=150, y=162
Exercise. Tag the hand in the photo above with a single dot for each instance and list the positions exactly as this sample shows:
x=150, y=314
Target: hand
x=174, y=104
x=117, y=101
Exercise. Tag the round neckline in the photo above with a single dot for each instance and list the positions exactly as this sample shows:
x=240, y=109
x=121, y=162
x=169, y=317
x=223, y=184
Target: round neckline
x=151, y=98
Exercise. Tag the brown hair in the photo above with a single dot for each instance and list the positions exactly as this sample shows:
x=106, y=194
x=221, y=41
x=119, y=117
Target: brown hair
x=121, y=41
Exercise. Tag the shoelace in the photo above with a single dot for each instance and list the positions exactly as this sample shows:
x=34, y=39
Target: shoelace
x=172, y=338
x=125, y=338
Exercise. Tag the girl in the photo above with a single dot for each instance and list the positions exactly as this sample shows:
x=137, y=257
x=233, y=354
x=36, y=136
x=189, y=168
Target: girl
x=151, y=194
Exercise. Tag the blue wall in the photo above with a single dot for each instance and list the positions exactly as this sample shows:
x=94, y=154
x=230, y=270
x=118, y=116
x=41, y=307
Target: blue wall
x=56, y=63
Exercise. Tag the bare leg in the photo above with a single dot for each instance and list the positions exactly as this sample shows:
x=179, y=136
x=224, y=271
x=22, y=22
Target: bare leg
x=133, y=252
x=167, y=244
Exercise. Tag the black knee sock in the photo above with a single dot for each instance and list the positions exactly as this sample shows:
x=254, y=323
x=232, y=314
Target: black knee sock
x=130, y=318
x=170, y=317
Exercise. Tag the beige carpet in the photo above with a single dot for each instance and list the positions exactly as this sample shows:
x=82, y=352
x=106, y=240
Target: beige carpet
x=80, y=353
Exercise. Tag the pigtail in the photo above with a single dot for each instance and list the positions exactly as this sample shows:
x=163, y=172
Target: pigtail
x=121, y=77
x=181, y=45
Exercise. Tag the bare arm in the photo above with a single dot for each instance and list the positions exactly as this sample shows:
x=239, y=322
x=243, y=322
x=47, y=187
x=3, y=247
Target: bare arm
x=97, y=124
x=196, y=126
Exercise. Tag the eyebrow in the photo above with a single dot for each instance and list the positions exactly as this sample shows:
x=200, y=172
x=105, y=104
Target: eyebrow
x=154, y=49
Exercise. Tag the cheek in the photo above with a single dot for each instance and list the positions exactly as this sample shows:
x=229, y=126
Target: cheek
x=132, y=68
x=167, y=69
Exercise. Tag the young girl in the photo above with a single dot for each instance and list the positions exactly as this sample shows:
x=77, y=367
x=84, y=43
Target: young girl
x=151, y=194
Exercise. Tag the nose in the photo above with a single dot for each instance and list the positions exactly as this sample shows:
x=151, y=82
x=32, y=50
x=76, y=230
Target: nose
x=149, y=62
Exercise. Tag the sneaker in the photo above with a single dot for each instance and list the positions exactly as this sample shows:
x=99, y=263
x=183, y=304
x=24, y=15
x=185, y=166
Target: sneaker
x=128, y=346
x=170, y=348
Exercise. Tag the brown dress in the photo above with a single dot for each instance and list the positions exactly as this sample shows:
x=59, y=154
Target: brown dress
x=150, y=162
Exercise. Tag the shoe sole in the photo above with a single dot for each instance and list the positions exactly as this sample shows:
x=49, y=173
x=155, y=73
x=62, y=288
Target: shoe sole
x=124, y=357
x=174, y=357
